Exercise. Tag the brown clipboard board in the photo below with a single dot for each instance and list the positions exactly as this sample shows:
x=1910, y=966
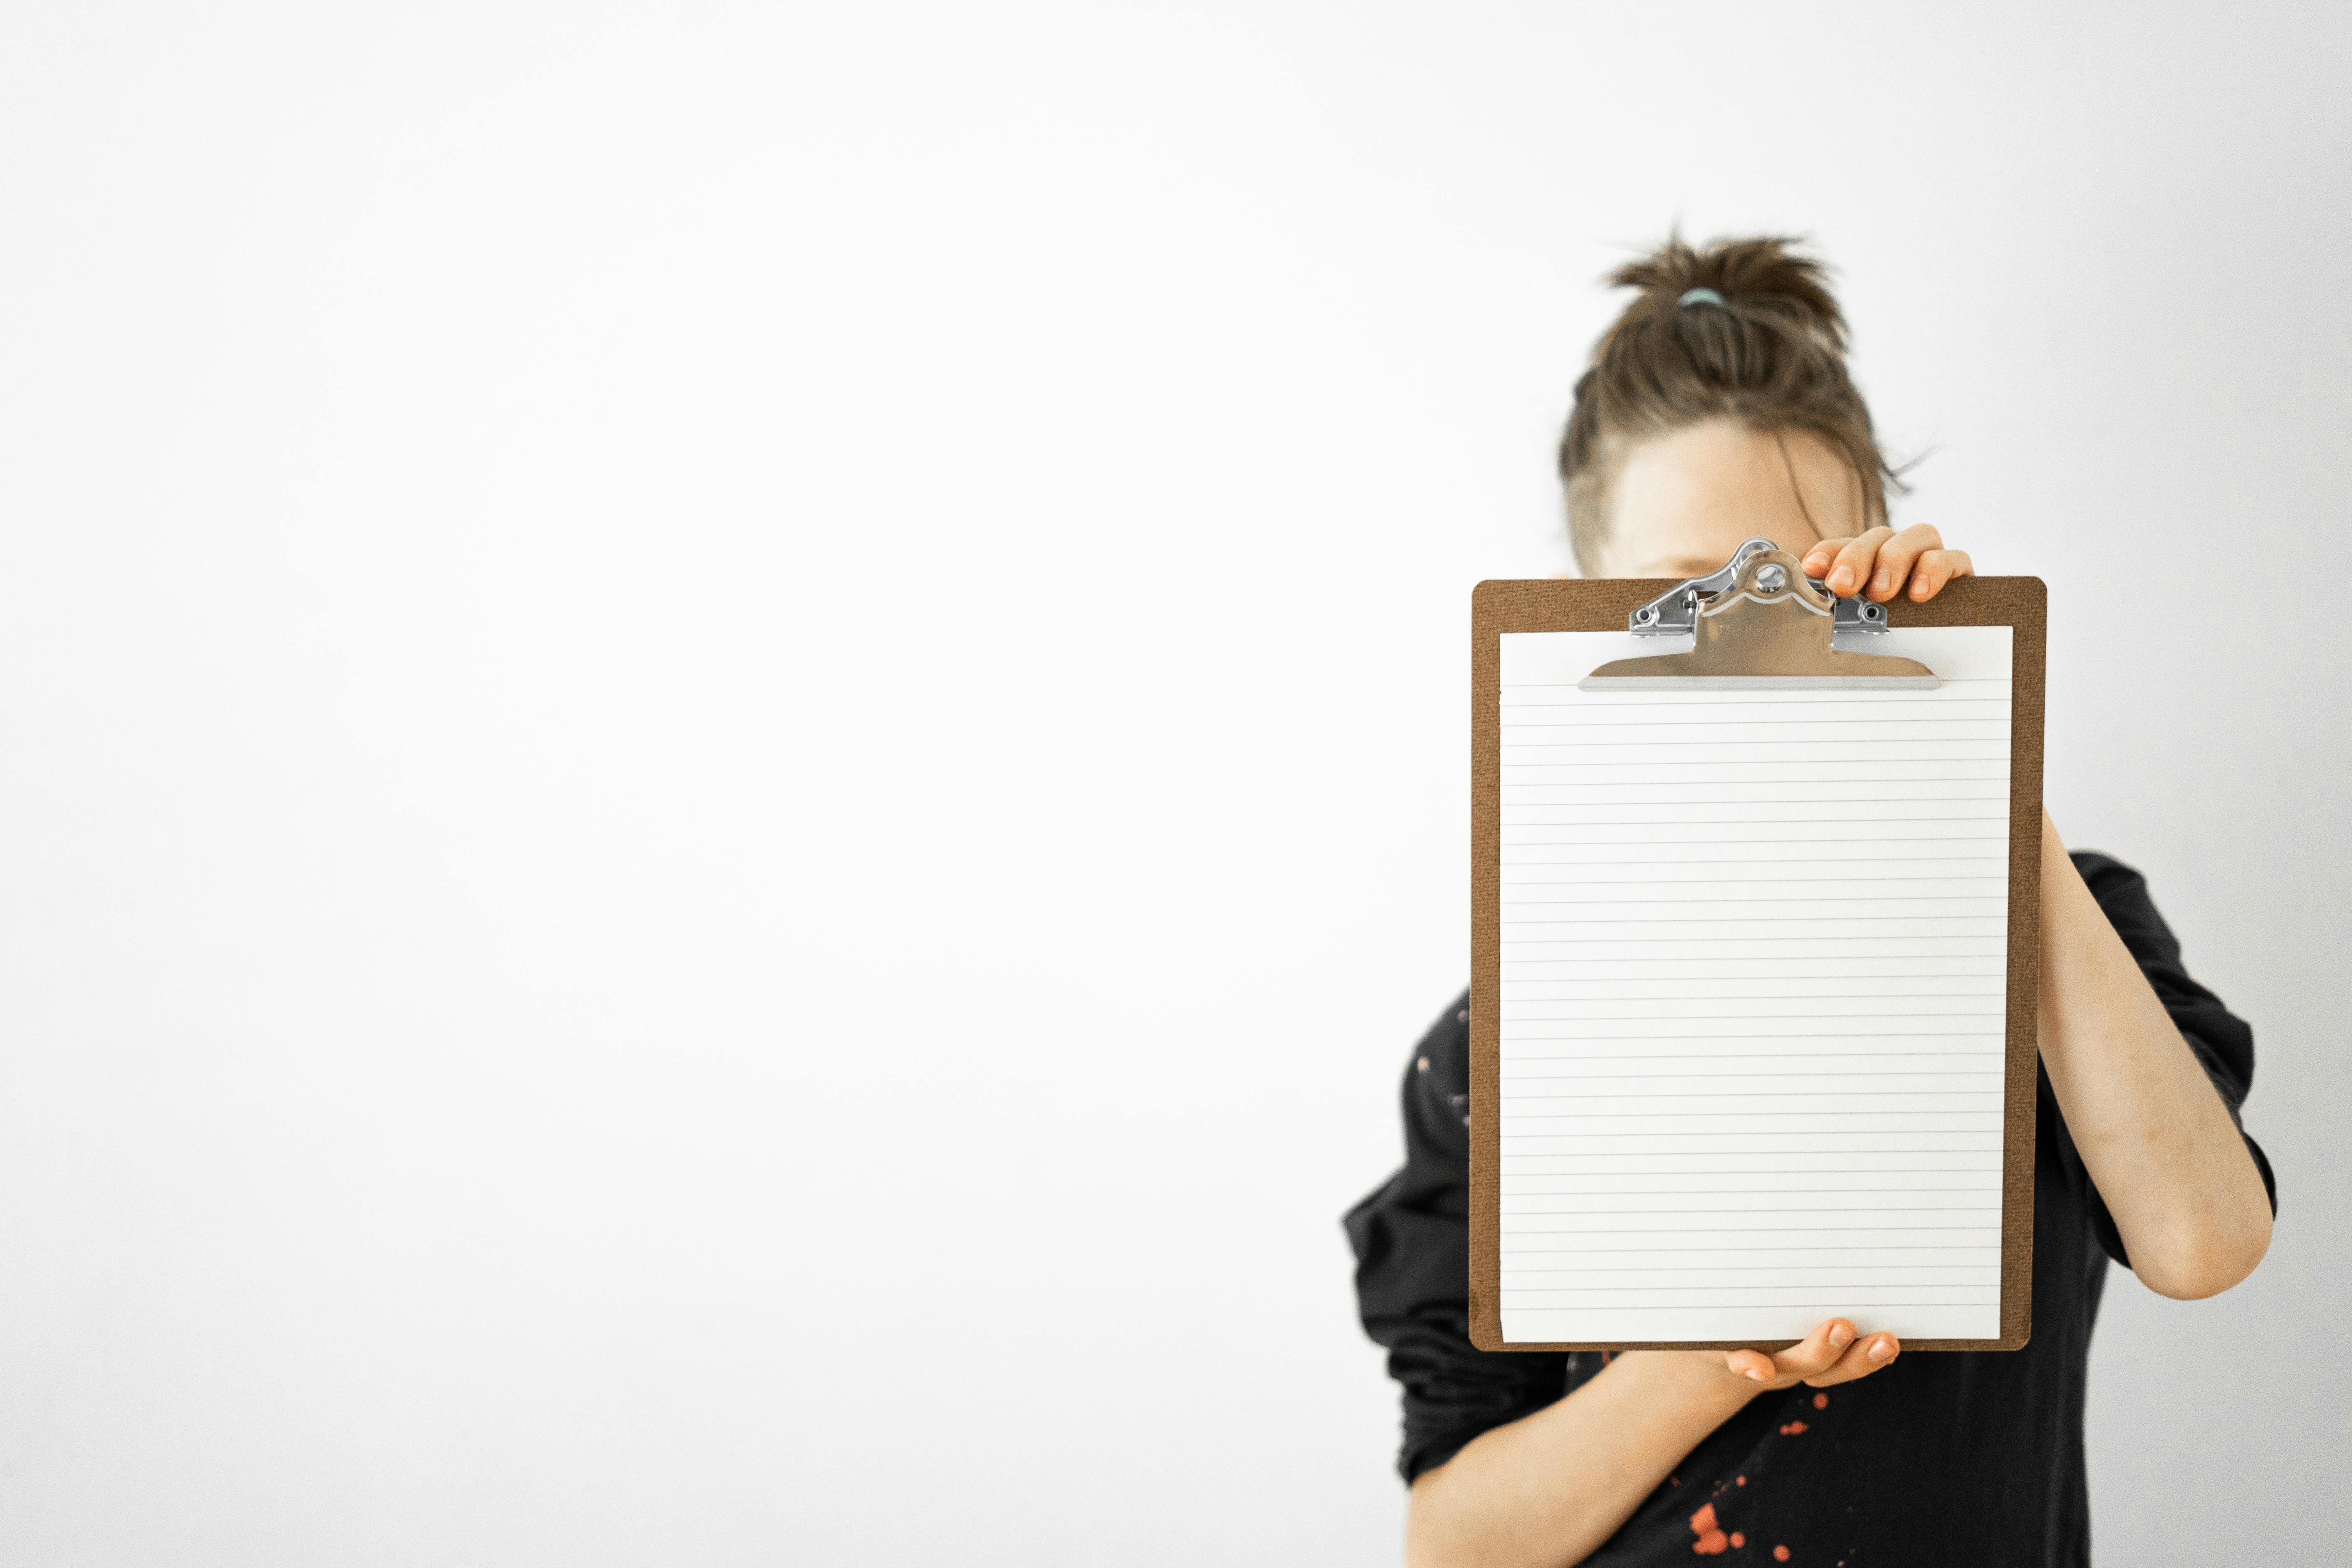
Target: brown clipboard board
x=1564, y=605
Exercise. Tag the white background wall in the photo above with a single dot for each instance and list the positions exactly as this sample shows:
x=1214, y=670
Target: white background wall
x=685, y=872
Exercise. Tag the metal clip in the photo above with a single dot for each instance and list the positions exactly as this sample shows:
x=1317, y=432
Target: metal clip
x=1674, y=613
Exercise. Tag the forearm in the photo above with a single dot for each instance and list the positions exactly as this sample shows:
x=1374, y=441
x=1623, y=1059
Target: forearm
x=1546, y=1490
x=2152, y=1132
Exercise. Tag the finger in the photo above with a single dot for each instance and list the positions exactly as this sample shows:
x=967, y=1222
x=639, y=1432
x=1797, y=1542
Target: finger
x=1817, y=1352
x=1896, y=558
x=1817, y=559
x=1938, y=567
x=1874, y=1352
x=1752, y=1365
x=1852, y=569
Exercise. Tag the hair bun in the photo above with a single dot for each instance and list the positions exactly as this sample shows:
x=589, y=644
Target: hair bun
x=1764, y=275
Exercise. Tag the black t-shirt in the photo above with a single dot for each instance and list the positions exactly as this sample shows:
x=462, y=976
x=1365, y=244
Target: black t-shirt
x=1963, y=1458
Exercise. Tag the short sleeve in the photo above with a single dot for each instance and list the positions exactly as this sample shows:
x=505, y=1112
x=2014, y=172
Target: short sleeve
x=2222, y=1042
x=1412, y=1241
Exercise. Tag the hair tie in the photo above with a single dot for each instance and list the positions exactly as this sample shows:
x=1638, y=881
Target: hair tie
x=1701, y=297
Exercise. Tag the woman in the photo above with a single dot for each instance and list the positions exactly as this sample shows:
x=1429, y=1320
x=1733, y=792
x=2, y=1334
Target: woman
x=1718, y=406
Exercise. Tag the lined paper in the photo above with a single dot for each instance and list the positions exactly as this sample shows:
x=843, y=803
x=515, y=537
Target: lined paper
x=1753, y=998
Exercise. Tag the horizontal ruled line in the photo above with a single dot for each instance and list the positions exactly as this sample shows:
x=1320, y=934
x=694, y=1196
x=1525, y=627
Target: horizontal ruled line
x=1994, y=1066
x=1842, y=1269
x=1665, y=979
x=1837, y=778
x=1716, y=866
x=1514, y=1104
x=1777, y=1247
x=1512, y=725
x=1652, y=1289
x=1758, y=784
x=1521, y=1118
x=1699, y=698
x=1705, y=866
x=1971, y=1026
x=1749, y=800
x=1825, y=721
x=1663, y=1191
x=1801, y=996
x=1519, y=1024
x=1985, y=1161
x=1725, y=1213
x=1712, y=899
x=1945, y=812
x=1746, y=835
x=1736, y=1229
x=1775, y=921
x=1509, y=1039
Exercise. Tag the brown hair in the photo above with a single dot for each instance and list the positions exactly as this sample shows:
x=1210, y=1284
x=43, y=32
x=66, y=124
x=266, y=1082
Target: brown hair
x=1767, y=349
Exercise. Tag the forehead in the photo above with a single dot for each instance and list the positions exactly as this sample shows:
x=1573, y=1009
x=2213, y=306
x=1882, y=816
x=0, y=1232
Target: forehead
x=1681, y=504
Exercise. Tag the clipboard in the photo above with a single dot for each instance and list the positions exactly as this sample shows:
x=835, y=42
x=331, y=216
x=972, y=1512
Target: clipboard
x=1758, y=628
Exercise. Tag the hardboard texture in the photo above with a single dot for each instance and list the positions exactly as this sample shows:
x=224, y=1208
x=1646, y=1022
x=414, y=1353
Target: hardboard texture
x=1566, y=604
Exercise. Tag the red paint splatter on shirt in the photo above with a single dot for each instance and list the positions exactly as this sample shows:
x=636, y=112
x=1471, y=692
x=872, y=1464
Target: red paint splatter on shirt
x=1738, y=1539
x=1793, y=1428
x=1779, y=1554
x=1711, y=1540
x=1743, y=1480
x=1821, y=1401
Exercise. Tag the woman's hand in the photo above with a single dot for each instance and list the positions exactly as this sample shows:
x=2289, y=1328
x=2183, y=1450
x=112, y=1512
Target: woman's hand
x=1830, y=1354
x=1880, y=561
x=1500, y=1502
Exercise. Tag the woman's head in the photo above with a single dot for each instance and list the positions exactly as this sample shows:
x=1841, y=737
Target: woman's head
x=1716, y=407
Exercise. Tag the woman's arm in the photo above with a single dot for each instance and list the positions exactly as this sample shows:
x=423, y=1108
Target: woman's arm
x=2158, y=1143
x=2153, y=1133
x=1547, y=1490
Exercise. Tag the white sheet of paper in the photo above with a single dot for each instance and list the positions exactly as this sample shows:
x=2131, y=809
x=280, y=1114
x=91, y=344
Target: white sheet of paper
x=1754, y=950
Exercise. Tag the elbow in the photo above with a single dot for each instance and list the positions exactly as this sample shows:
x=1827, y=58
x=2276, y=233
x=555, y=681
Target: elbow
x=2207, y=1264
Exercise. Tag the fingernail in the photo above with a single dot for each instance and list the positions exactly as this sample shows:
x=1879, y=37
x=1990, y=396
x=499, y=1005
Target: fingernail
x=1883, y=582
x=1839, y=1337
x=1755, y=1375
x=1919, y=590
x=1842, y=581
x=1881, y=1351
